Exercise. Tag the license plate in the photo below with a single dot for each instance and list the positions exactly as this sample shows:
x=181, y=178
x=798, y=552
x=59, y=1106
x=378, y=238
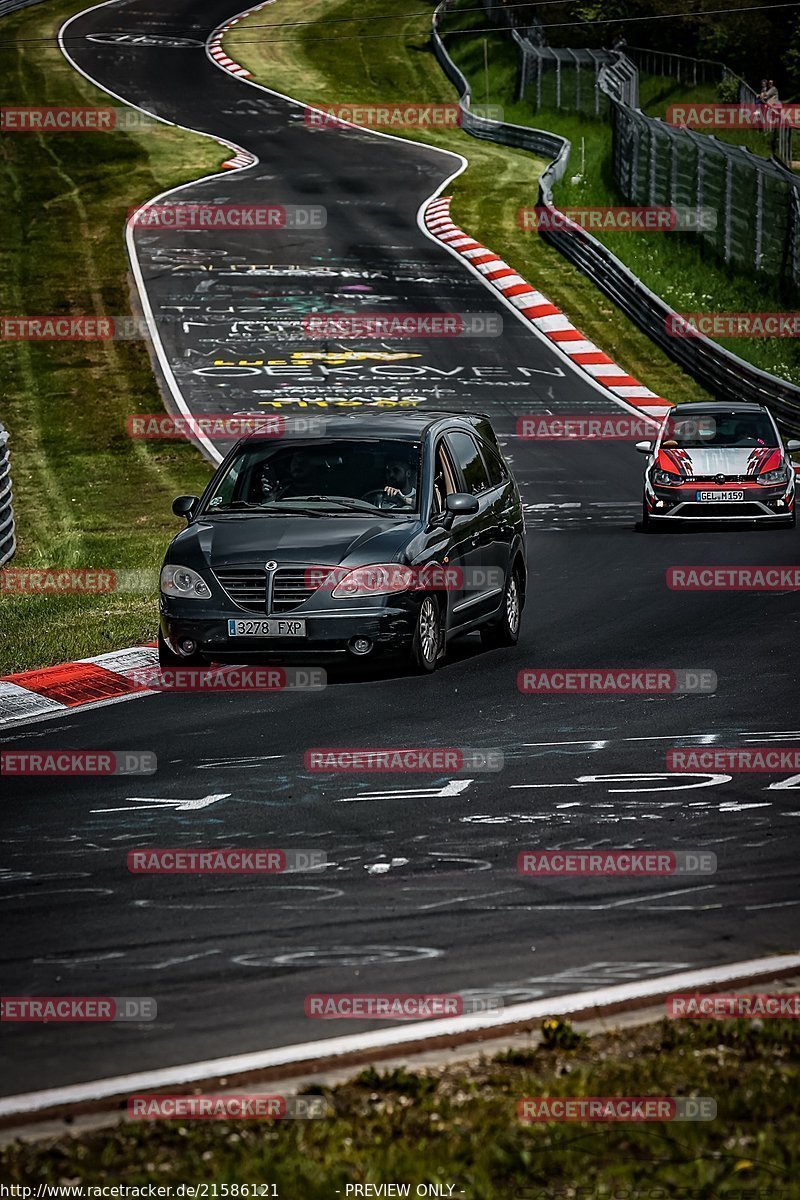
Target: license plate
x=718, y=497
x=277, y=627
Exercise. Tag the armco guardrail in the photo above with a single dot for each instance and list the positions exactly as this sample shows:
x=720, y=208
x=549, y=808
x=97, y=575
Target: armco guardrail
x=8, y=542
x=720, y=371
x=548, y=145
x=10, y=6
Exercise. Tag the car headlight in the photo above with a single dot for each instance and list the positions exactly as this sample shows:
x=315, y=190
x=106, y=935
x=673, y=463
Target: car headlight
x=184, y=582
x=779, y=475
x=664, y=478
x=377, y=579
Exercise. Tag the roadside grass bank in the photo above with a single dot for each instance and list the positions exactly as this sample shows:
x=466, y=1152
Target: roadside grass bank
x=344, y=61
x=459, y=1126
x=671, y=265
x=85, y=494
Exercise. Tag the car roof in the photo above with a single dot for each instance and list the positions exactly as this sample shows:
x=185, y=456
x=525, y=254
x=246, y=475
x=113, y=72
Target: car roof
x=710, y=406
x=406, y=426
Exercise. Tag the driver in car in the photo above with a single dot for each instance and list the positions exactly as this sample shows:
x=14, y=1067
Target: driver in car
x=400, y=480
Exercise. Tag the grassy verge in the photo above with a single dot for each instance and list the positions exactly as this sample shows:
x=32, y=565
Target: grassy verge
x=315, y=64
x=312, y=63
x=458, y=1126
x=85, y=495
x=673, y=266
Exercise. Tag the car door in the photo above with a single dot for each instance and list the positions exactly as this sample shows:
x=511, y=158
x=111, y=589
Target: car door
x=502, y=513
x=478, y=531
x=449, y=546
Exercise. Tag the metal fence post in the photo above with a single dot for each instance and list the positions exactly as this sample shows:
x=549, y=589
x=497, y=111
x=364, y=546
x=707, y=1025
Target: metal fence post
x=759, y=219
x=637, y=146
x=728, y=206
x=794, y=217
x=558, y=83
x=673, y=182
x=700, y=187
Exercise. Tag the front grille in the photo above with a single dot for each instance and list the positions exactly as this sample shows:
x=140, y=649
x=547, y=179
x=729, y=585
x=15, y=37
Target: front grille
x=734, y=508
x=728, y=479
x=246, y=586
x=291, y=587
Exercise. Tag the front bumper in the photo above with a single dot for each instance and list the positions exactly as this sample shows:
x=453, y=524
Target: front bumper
x=329, y=635
x=764, y=504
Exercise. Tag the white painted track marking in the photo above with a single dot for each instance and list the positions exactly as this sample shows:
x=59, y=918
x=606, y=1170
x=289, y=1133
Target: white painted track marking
x=631, y=992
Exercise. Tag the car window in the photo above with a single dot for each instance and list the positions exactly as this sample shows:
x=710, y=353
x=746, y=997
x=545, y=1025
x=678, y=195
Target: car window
x=725, y=430
x=497, y=472
x=336, y=474
x=468, y=456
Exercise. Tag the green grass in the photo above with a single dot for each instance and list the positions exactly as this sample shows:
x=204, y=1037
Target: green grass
x=85, y=495
x=458, y=1125
x=681, y=271
x=311, y=64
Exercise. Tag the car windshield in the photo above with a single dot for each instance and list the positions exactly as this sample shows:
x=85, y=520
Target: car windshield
x=341, y=476
x=720, y=430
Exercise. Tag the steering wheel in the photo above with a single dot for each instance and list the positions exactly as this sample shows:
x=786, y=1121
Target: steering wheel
x=382, y=499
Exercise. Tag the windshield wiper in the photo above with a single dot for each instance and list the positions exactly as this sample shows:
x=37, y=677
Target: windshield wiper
x=264, y=509
x=348, y=503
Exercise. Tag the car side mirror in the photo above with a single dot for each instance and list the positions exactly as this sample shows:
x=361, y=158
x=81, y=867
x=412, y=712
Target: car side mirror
x=185, y=506
x=792, y=444
x=644, y=447
x=461, y=504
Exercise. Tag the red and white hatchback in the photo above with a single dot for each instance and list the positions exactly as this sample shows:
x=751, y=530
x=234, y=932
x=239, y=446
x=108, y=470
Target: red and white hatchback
x=716, y=462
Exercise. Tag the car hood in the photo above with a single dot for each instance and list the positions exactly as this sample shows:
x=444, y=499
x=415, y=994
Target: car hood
x=719, y=460
x=247, y=539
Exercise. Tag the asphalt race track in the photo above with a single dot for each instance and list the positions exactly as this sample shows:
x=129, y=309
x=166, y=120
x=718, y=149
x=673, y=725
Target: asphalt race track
x=421, y=891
